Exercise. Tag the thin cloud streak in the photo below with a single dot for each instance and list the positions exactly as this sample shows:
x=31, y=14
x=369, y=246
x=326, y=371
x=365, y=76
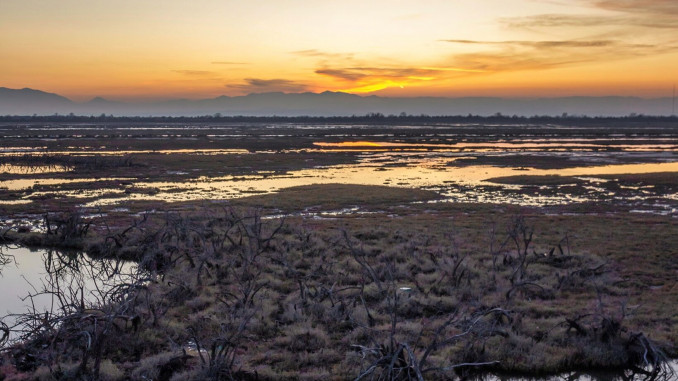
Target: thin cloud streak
x=588, y=21
x=309, y=53
x=540, y=44
x=315, y=53
x=229, y=63
x=634, y=26
x=655, y=7
x=258, y=85
x=625, y=14
x=343, y=74
x=453, y=69
x=540, y=55
x=371, y=79
x=392, y=73
x=195, y=73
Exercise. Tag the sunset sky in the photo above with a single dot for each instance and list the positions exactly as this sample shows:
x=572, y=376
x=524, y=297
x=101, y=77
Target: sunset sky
x=131, y=49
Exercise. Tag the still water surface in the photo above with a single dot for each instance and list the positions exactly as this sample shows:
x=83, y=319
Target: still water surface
x=29, y=278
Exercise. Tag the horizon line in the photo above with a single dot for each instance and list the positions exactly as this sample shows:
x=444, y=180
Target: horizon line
x=374, y=116
x=159, y=100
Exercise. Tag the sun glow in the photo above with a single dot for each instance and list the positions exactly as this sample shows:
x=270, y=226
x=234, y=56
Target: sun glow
x=373, y=87
x=454, y=69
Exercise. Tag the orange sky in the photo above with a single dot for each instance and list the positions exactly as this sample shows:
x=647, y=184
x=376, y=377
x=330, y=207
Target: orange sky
x=130, y=49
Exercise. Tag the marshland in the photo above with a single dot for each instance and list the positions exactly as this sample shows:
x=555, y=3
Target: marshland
x=349, y=248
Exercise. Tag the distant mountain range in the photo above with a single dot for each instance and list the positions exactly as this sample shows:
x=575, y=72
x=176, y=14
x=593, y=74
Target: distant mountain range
x=30, y=102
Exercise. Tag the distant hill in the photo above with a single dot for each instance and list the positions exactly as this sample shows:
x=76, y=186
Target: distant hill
x=29, y=102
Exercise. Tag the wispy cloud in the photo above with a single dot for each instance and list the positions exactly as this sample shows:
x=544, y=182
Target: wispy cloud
x=391, y=73
x=196, y=73
x=622, y=21
x=367, y=79
x=625, y=16
x=343, y=74
x=354, y=75
x=323, y=55
x=558, y=20
x=540, y=44
x=258, y=85
x=309, y=53
x=371, y=79
x=655, y=7
x=611, y=31
x=536, y=55
x=361, y=73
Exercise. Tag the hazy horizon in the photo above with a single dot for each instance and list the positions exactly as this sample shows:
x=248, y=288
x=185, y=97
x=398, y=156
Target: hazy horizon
x=94, y=97
x=31, y=101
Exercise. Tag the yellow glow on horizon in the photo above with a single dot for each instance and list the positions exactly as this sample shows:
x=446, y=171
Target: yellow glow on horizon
x=372, y=87
x=454, y=69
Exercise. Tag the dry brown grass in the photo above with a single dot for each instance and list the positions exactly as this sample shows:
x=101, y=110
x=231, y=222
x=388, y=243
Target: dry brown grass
x=330, y=297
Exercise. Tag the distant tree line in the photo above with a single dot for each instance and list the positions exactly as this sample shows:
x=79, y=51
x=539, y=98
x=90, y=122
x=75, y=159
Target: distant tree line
x=632, y=119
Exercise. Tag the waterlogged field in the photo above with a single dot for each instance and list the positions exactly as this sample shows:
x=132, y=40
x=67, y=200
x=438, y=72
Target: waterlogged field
x=307, y=251
x=104, y=167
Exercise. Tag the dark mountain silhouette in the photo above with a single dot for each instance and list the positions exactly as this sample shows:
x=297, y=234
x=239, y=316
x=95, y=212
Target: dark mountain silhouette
x=99, y=105
x=28, y=102
x=102, y=102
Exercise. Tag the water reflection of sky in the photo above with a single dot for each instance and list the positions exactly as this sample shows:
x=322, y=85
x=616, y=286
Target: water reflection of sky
x=451, y=168
x=35, y=271
x=456, y=183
